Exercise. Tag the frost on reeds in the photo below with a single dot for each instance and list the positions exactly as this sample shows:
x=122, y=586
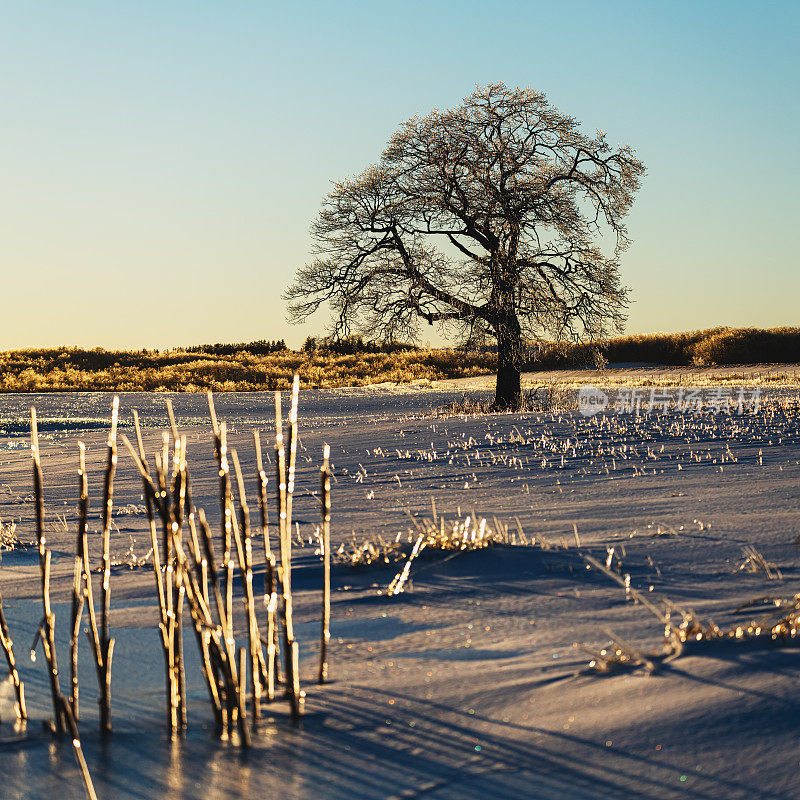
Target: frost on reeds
x=285, y=479
x=189, y=574
x=754, y=561
x=325, y=537
x=192, y=571
x=434, y=534
x=101, y=642
x=685, y=632
x=64, y=720
x=464, y=405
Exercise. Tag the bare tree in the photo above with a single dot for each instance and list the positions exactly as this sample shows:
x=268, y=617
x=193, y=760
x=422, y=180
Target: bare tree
x=498, y=218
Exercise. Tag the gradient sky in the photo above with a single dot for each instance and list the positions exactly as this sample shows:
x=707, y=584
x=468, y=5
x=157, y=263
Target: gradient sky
x=161, y=162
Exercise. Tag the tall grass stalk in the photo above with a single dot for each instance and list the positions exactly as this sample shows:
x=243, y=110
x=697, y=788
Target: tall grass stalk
x=154, y=500
x=102, y=645
x=285, y=480
x=78, y=582
x=270, y=575
x=106, y=642
x=47, y=627
x=325, y=509
x=244, y=549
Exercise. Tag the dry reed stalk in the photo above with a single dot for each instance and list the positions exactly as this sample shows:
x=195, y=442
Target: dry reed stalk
x=46, y=635
x=92, y=632
x=77, y=613
x=629, y=590
x=226, y=612
x=755, y=561
x=244, y=548
x=270, y=577
x=179, y=482
x=101, y=642
x=169, y=584
x=290, y=646
x=200, y=562
x=78, y=594
x=221, y=684
x=194, y=591
x=64, y=716
x=78, y=750
x=172, y=590
x=197, y=594
x=47, y=628
x=223, y=652
x=630, y=653
x=173, y=425
x=227, y=522
x=153, y=497
x=293, y=433
x=296, y=695
x=223, y=644
x=399, y=581
x=212, y=569
x=236, y=707
x=8, y=650
x=325, y=503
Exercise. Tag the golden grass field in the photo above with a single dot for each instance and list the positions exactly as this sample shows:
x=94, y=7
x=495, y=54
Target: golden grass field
x=258, y=366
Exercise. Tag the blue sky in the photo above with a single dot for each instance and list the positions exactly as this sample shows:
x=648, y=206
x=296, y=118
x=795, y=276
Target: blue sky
x=161, y=162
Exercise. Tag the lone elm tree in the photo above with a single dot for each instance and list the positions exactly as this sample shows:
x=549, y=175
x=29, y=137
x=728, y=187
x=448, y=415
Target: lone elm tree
x=497, y=218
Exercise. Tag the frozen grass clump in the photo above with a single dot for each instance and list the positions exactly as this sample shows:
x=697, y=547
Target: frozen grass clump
x=780, y=625
x=465, y=405
x=544, y=398
x=754, y=561
x=434, y=535
x=437, y=534
x=372, y=552
x=131, y=559
x=8, y=536
x=550, y=397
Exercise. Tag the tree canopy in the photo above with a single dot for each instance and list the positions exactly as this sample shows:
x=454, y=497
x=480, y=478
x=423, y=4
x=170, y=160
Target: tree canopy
x=498, y=218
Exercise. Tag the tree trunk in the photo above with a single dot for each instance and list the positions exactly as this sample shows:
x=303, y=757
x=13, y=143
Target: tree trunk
x=508, y=394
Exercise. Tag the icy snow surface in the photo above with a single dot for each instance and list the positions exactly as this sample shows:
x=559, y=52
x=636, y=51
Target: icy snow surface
x=473, y=683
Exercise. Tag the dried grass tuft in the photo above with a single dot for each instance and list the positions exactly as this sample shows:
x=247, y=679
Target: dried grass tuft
x=779, y=626
x=131, y=560
x=754, y=561
x=8, y=536
x=537, y=399
x=434, y=535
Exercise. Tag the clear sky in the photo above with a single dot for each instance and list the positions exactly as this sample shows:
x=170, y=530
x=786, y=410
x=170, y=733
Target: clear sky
x=161, y=160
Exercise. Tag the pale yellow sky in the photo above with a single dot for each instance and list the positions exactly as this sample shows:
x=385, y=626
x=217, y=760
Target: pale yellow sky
x=161, y=165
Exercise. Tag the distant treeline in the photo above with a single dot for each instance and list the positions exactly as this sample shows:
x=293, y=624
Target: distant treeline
x=261, y=365
x=260, y=348
x=351, y=345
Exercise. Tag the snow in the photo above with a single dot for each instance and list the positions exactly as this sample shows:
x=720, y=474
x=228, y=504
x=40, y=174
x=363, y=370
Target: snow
x=474, y=682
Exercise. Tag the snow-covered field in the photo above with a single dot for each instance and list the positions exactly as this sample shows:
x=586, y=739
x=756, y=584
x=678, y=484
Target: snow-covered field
x=474, y=682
